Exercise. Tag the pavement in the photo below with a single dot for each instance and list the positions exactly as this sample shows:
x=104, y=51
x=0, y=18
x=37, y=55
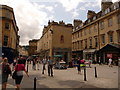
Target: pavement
x=69, y=78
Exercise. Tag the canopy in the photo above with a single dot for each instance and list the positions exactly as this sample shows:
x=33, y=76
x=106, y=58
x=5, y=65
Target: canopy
x=58, y=55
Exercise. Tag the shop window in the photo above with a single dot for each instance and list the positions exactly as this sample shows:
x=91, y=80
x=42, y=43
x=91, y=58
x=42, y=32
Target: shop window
x=5, y=40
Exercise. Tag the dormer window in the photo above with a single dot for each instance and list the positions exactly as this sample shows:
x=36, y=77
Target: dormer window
x=89, y=21
x=94, y=17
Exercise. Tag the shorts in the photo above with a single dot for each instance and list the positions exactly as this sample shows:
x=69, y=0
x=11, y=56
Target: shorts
x=4, y=78
x=18, y=79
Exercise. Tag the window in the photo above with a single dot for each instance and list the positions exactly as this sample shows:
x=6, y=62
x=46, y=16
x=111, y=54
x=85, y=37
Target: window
x=78, y=44
x=95, y=27
x=85, y=43
x=78, y=34
x=7, y=26
x=103, y=39
x=90, y=42
x=118, y=18
x=96, y=42
x=102, y=25
x=89, y=30
x=81, y=44
x=110, y=22
x=62, y=39
x=84, y=32
x=118, y=36
x=81, y=33
x=5, y=40
x=111, y=37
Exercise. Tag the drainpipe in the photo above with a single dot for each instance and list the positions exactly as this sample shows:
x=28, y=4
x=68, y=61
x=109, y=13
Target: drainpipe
x=98, y=42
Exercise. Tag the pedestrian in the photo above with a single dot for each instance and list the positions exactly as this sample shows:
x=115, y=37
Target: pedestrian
x=50, y=67
x=90, y=62
x=82, y=63
x=78, y=67
x=38, y=63
x=6, y=71
x=20, y=67
x=119, y=61
x=44, y=64
x=110, y=62
x=14, y=63
x=34, y=63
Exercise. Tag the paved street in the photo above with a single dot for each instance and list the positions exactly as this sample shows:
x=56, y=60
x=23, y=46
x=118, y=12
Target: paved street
x=107, y=78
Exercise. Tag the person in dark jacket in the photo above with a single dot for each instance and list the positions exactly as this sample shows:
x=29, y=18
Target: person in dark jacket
x=6, y=70
x=78, y=67
x=50, y=67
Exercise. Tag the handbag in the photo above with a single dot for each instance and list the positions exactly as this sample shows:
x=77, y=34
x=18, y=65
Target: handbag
x=14, y=74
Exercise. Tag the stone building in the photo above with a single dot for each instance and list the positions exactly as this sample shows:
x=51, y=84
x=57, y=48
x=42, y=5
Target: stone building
x=56, y=41
x=9, y=38
x=23, y=51
x=32, y=47
x=99, y=36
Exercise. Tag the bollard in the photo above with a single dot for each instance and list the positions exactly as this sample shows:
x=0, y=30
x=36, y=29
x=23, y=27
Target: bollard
x=95, y=72
x=27, y=67
x=85, y=74
x=35, y=83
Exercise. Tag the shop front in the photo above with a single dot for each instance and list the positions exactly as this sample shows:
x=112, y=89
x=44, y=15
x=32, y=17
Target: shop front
x=62, y=54
x=110, y=51
x=89, y=54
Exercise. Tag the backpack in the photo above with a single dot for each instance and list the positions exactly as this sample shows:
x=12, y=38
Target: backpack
x=82, y=61
x=6, y=69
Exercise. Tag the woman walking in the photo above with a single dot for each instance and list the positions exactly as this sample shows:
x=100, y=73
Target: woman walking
x=6, y=70
x=19, y=68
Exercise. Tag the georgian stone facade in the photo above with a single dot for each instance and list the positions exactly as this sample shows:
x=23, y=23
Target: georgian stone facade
x=9, y=32
x=56, y=40
x=99, y=30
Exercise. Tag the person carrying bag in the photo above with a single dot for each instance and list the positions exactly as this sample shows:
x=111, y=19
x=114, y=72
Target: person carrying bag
x=19, y=69
x=14, y=74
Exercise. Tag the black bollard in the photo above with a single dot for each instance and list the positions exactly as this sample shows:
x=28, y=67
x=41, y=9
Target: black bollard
x=95, y=72
x=85, y=74
x=27, y=67
x=35, y=83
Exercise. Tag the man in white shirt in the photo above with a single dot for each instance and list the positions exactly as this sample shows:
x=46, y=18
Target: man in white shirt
x=110, y=62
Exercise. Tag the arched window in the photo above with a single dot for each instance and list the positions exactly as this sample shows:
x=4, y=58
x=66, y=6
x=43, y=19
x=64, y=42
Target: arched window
x=62, y=39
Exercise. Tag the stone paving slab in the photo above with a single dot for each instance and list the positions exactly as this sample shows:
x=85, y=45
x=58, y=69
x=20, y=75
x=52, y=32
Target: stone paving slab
x=69, y=78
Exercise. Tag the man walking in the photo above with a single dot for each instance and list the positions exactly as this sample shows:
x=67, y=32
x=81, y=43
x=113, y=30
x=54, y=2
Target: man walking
x=50, y=67
x=44, y=63
x=110, y=62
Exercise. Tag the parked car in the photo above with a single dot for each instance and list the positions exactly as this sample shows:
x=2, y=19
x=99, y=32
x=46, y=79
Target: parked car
x=60, y=65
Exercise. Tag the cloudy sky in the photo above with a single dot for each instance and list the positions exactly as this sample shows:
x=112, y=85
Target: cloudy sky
x=32, y=15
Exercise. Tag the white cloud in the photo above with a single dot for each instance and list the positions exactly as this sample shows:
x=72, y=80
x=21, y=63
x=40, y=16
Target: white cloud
x=70, y=4
x=30, y=19
x=75, y=13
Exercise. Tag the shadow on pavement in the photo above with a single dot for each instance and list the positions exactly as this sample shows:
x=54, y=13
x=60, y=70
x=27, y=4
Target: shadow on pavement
x=76, y=84
x=28, y=82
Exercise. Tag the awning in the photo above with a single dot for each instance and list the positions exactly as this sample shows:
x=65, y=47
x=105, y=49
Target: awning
x=89, y=50
x=58, y=55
